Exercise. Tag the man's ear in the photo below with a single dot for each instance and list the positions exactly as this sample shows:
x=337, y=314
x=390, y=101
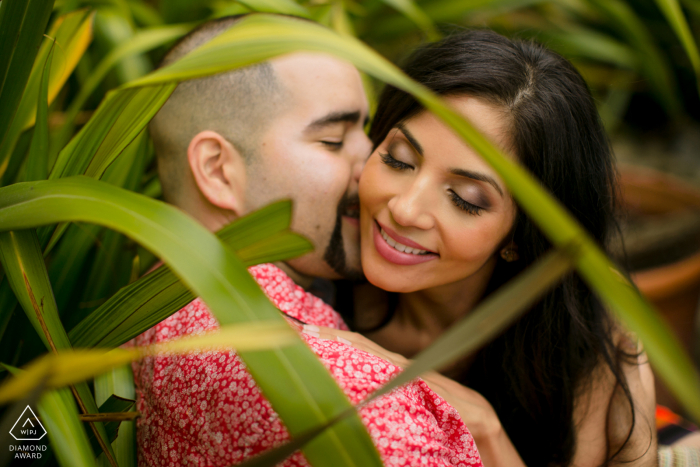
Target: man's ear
x=219, y=171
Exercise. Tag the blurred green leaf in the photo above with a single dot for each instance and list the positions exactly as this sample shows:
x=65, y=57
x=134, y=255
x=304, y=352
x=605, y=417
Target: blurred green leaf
x=22, y=25
x=118, y=120
x=672, y=10
x=72, y=33
x=654, y=66
x=591, y=45
x=415, y=14
x=282, y=7
x=75, y=366
x=296, y=383
x=142, y=41
x=37, y=163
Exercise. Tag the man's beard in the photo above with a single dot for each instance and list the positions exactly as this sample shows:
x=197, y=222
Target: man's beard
x=335, y=251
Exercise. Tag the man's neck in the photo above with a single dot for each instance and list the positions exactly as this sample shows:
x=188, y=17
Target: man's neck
x=302, y=280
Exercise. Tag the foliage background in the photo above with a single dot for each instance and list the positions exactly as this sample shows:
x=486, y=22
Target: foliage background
x=632, y=53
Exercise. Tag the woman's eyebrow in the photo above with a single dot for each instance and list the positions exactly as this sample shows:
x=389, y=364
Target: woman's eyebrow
x=461, y=172
x=411, y=139
x=477, y=176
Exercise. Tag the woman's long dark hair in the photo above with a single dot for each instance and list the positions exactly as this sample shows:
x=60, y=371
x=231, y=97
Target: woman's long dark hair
x=533, y=372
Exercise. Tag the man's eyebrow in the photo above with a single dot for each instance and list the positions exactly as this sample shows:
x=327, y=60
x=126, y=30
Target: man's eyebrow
x=477, y=176
x=333, y=118
x=411, y=139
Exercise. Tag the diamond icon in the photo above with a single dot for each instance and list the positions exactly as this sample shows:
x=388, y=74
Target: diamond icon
x=28, y=427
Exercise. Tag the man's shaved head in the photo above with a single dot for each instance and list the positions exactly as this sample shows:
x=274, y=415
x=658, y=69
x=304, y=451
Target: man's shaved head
x=238, y=104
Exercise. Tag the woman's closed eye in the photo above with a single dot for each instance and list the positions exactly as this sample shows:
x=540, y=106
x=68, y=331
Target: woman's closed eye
x=389, y=160
x=465, y=206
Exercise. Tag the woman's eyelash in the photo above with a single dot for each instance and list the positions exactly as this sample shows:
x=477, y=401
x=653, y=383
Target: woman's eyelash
x=394, y=163
x=465, y=205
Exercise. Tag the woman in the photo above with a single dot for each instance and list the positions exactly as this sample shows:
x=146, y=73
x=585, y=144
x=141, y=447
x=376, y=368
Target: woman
x=564, y=385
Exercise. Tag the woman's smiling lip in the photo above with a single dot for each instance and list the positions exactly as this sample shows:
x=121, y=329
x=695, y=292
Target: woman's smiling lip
x=395, y=256
x=403, y=240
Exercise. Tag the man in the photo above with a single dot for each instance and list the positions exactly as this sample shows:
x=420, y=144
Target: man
x=232, y=143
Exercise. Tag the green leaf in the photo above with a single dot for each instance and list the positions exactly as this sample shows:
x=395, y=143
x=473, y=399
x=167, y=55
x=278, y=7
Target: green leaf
x=25, y=270
x=59, y=415
x=8, y=302
x=296, y=383
x=590, y=44
x=674, y=15
x=143, y=41
x=68, y=260
x=119, y=383
x=75, y=366
x=22, y=26
x=118, y=120
x=259, y=237
x=282, y=7
x=415, y=14
x=72, y=33
x=37, y=163
x=261, y=37
x=654, y=66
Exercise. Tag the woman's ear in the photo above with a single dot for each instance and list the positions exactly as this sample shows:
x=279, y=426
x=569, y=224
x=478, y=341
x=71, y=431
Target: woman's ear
x=219, y=171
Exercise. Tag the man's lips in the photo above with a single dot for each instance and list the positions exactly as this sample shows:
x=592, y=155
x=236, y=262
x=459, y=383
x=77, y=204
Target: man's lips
x=392, y=255
x=352, y=214
x=352, y=220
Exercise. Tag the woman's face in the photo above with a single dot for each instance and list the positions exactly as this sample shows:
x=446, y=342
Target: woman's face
x=432, y=212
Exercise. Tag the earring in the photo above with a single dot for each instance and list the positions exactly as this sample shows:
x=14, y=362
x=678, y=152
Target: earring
x=510, y=254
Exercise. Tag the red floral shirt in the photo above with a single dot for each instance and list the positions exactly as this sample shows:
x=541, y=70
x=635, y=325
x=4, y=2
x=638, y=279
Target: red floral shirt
x=205, y=409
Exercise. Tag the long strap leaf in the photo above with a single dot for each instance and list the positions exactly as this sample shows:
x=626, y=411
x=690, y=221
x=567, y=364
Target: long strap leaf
x=69, y=367
x=72, y=33
x=152, y=298
x=37, y=164
x=22, y=26
x=142, y=41
x=262, y=37
x=674, y=15
x=296, y=383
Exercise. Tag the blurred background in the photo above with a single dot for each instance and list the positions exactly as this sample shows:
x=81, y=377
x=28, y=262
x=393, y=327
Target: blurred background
x=639, y=71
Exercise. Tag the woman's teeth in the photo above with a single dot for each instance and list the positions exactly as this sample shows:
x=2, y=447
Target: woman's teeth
x=400, y=247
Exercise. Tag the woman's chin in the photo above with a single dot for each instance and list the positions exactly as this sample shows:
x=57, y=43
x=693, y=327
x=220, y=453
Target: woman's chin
x=391, y=282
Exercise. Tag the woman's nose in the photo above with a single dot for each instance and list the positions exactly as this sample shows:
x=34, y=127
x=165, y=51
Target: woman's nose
x=412, y=208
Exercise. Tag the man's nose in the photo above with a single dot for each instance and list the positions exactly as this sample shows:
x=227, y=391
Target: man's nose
x=412, y=208
x=359, y=156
